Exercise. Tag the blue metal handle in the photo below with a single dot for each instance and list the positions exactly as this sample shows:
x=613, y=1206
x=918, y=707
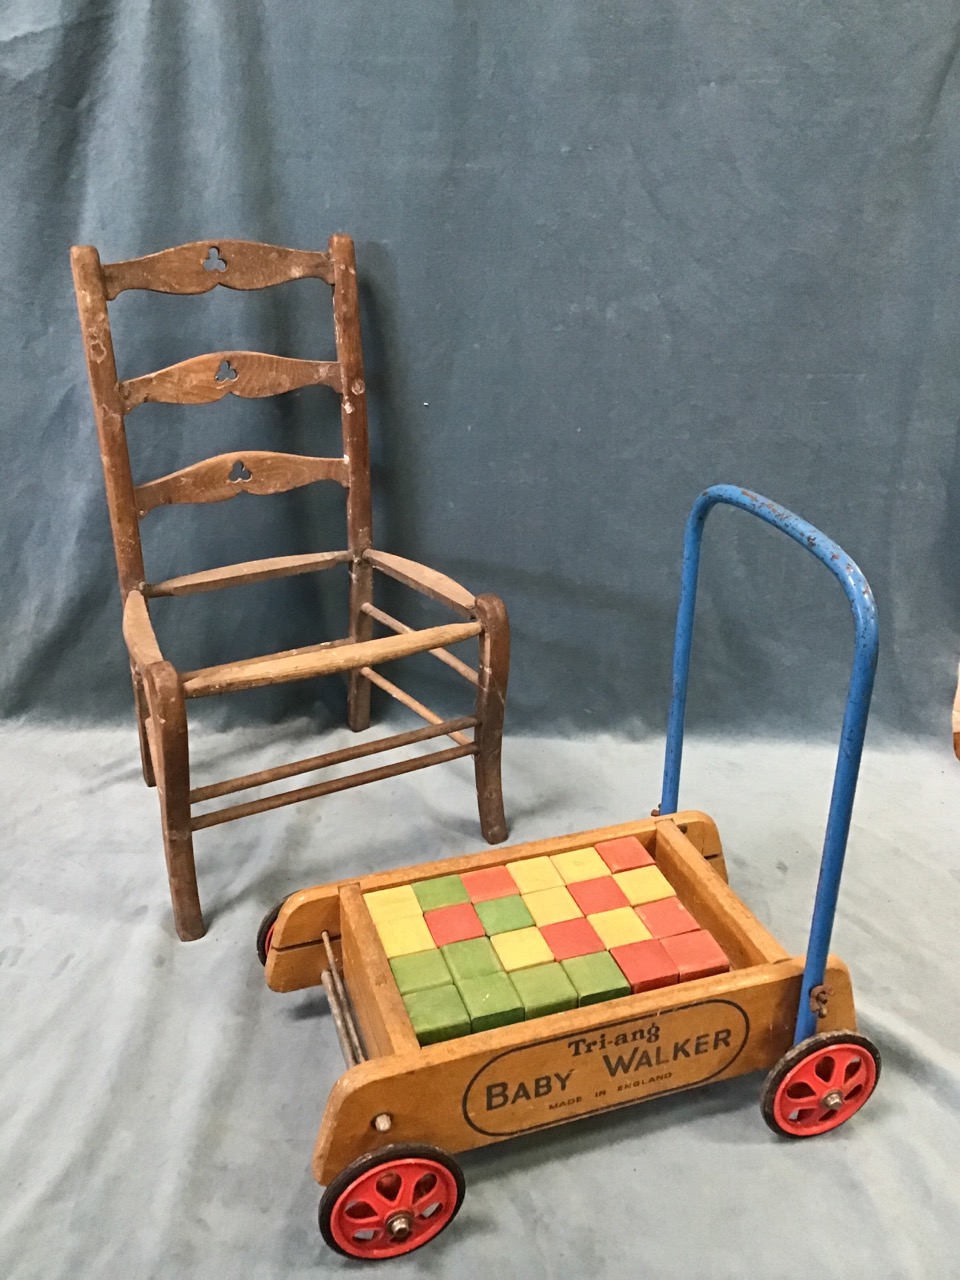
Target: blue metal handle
x=858, y=592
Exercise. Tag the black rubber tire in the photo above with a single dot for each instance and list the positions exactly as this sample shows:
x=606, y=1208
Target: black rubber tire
x=796, y=1054
x=384, y=1155
x=266, y=924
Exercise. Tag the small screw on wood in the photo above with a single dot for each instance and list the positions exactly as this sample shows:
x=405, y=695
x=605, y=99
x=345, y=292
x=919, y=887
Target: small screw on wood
x=383, y=1123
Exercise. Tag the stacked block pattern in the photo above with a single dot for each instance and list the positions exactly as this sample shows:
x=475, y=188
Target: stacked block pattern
x=506, y=944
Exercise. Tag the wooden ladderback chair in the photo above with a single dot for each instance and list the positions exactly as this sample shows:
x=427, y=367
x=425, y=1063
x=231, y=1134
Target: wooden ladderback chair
x=160, y=690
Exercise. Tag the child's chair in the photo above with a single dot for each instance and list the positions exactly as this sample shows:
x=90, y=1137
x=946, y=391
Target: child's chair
x=160, y=690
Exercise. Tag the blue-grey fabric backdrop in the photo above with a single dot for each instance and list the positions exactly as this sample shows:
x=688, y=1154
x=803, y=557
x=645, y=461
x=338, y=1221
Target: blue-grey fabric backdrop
x=610, y=253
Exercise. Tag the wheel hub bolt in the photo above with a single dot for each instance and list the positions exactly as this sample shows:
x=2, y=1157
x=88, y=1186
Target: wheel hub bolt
x=833, y=1100
x=400, y=1226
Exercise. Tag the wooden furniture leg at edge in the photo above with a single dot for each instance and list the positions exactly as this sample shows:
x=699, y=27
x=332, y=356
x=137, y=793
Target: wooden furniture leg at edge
x=494, y=643
x=361, y=628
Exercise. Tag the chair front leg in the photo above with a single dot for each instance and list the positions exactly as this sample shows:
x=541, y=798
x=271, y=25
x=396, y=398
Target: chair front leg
x=361, y=628
x=494, y=642
x=169, y=716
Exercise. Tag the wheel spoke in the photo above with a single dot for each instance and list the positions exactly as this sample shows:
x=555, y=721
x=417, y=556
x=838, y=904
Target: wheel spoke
x=854, y=1075
x=805, y=1073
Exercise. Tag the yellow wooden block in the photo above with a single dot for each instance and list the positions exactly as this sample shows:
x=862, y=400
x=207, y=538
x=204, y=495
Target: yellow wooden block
x=534, y=874
x=644, y=884
x=523, y=948
x=617, y=928
x=393, y=904
x=550, y=906
x=580, y=864
x=404, y=936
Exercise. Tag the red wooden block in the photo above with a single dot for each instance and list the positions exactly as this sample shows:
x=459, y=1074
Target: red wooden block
x=646, y=965
x=697, y=955
x=572, y=938
x=602, y=894
x=624, y=854
x=489, y=882
x=667, y=918
x=454, y=924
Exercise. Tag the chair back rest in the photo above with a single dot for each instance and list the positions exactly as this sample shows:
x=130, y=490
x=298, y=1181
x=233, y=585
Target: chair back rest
x=197, y=268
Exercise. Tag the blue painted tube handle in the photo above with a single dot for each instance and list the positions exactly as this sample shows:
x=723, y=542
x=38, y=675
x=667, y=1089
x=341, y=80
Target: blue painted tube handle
x=857, y=591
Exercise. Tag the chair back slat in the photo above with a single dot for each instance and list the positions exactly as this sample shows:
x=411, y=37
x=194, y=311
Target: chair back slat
x=249, y=374
x=202, y=265
x=197, y=268
x=227, y=475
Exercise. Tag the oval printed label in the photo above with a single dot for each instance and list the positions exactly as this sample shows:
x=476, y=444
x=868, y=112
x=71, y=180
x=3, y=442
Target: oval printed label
x=545, y=1083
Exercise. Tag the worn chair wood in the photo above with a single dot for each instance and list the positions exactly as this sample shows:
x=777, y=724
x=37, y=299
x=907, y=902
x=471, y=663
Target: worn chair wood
x=161, y=691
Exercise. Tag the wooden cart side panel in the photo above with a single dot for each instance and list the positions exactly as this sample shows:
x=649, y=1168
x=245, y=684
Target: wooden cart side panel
x=296, y=968
x=301, y=967
x=380, y=1011
x=712, y=901
x=302, y=964
x=498, y=1084
x=307, y=912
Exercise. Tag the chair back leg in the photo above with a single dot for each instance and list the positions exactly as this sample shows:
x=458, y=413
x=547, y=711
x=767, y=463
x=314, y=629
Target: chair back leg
x=140, y=703
x=494, y=642
x=361, y=628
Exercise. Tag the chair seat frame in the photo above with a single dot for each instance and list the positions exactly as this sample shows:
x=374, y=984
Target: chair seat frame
x=161, y=691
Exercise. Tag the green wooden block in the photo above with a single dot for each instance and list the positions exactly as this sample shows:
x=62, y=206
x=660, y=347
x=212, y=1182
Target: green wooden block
x=437, y=1014
x=471, y=959
x=544, y=989
x=596, y=977
x=491, y=1001
x=420, y=971
x=503, y=915
x=441, y=891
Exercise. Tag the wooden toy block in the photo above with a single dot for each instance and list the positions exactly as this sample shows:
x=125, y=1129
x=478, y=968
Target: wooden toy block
x=503, y=915
x=572, y=938
x=420, y=971
x=471, y=959
x=646, y=965
x=602, y=894
x=624, y=853
x=596, y=978
x=441, y=891
x=437, y=1014
x=667, y=917
x=696, y=955
x=491, y=1000
x=545, y=989
x=579, y=864
x=645, y=884
x=534, y=873
x=617, y=928
x=522, y=949
x=453, y=924
x=548, y=906
x=489, y=882
x=392, y=904
x=404, y=936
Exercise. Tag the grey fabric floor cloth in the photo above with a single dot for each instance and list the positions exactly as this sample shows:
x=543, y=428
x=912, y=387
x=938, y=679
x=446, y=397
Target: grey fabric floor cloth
x=159, y=1104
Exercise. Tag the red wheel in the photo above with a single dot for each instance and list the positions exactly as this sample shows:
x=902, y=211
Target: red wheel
x=391, y=1202
x=265, y=932
x=820, y=1083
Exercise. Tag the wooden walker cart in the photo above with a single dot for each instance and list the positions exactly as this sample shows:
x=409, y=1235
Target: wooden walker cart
x=399, y=1110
